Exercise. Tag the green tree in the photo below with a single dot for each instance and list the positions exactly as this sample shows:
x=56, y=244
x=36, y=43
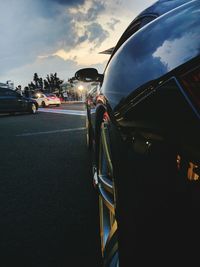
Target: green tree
x=46, y=85
x=51, y=84
x=54, y=82
x=36, y=80
x=71, y=80
x=41, y=84
x=57, y=82
x=31, y=86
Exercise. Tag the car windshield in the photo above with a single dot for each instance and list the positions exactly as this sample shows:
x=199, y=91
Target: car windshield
x=52, y=95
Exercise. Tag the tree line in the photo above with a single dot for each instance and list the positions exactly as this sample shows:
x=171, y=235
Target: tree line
x=50, y=84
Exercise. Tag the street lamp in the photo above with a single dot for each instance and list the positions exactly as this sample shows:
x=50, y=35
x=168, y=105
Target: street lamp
x=81, y=88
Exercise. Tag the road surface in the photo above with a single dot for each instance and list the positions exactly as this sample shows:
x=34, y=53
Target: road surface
x=49, y=209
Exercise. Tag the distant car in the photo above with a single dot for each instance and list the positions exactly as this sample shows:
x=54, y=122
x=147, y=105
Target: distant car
x=45, y=100
x=11, y=102
x=143, y=127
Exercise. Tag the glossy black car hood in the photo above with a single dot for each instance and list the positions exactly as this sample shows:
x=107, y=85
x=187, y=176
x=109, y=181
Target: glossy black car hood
x=159, y=47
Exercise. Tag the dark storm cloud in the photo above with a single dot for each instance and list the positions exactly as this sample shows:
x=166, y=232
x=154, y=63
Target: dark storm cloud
x=50, y=8
x=82, y=38
x=33, y=28
x=97, y=8
x=113, y=23
x=96, y=33
x=67, y=2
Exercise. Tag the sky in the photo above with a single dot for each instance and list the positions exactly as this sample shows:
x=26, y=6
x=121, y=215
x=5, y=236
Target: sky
x=48, y=36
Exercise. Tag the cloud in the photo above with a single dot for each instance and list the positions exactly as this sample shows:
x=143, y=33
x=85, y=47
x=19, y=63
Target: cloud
x=113, y=22
x=85, y=23
x=43, y=66
x=96, y=33
x=74, y=30
x=26, y=33
x=89, y=12
x=93, y=33
x=67, y=2
x=97, y=8
x=42, y=27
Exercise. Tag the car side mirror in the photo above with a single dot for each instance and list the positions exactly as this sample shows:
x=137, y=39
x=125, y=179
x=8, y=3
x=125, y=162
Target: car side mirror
x=88, y=75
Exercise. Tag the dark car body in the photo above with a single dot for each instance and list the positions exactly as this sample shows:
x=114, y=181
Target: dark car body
x=11, y=102
x=143, y=125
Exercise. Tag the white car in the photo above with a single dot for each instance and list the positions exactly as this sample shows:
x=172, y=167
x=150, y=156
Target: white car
x=45, y=100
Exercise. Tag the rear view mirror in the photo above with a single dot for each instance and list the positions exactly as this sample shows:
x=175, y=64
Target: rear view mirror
x=88, y=75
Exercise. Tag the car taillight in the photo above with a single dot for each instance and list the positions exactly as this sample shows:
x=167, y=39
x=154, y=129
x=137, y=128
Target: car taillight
x=191, y=82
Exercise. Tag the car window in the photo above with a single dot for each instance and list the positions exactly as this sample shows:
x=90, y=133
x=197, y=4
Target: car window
x=133, y=28
x=11, y=93
x=51, y=95
x=2, y=92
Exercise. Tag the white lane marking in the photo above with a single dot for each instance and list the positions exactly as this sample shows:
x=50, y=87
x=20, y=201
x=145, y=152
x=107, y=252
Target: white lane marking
x=52, y=132
x=63, y=111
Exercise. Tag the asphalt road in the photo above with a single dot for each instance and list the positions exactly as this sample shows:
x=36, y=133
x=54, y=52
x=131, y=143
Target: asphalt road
x=48, y=207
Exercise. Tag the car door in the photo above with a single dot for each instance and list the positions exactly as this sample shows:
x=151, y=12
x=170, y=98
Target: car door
x=8, y=100
x=3, y=100
x=20, y=103
x=11, y=101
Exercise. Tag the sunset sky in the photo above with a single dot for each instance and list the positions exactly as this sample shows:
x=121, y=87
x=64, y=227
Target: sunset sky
x=48, y=36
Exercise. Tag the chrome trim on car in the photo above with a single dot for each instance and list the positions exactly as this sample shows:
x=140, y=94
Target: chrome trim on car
x=106, y=198
x=106, y=183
